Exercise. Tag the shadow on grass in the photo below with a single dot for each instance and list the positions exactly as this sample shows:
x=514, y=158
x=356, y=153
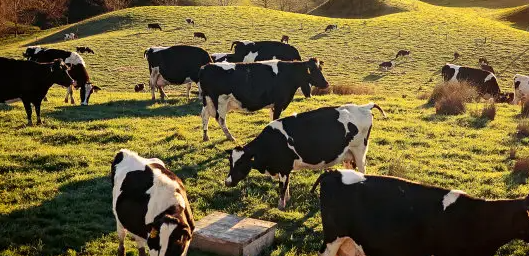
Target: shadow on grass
x=126, y=108
x=81, y=212
x=5, y=107
x=318, y=36
x=374, y=77
x=515, y=179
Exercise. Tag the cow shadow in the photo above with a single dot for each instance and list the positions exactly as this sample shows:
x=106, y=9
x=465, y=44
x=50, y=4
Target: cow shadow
x=79, y=213
x=318, y=36
x=126, y=108
x=515, y=179
x=5, y=107
x=374, y=77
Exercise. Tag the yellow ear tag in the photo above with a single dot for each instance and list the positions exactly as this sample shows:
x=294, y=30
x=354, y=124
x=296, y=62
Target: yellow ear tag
x=153, y=233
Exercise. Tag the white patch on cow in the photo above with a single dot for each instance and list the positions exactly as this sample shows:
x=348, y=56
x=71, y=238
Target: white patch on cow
x=347, y=243
x=523, y=88
x=350, y=177
x=75, y=59
x=225, y=65
x=359, y=115
x=165, y=232
x=273, y=64
x=250, y=57
x=162, y=195
x=295, y=114
x=489, y=77
x=274, y=58
x=188, y=80
x=451, y=197
x=236, y=155
x=157, y=48
x=247, y=42
x=36, y=49
x=228, y=180
x=456, y=68
x=217, y=56
x=88, y=89
x=283, y=178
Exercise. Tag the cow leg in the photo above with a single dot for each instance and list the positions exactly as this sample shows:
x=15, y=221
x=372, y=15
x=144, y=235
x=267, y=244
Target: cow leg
x=199, y=91
x=121, y=236
x=162, y=93
x=188, y=90
x=222, y=112
x=153, y=89
x=222, y=123
x=284, y=193
x=359, y=153
x=205, y=122
x=141, y=243
x=70, y=90
x=277, y=111
x=37, y=111
x=27, y=107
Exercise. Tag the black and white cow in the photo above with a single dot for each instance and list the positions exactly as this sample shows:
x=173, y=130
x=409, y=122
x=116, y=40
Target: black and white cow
x=402, y=53
x=312, y=140
x=392, y=216
x=331, y=27
x=254, y=86
x=150, y=202
x=200, y=35
x=221, y=57
x=83, y=49
x=77, y=70
x=177, y=64
x=387, y=65
x=30, y=81
x=521, y=88
x=484, y=81
x=190, y=21
x=248, y=51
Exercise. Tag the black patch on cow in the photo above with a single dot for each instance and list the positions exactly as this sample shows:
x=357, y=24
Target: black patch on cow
x=476, y=77
x=516, y=84
x=366, y=139
x=267, y=50
x=117, y=159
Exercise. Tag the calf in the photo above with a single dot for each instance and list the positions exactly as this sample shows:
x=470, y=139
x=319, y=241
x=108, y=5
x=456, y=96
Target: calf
x=521, y=88
x=387, y=65
x=30, y=81
x=139, y=87
x=254, y=86
x=190, y=21
x=77, y=70
x=331, y=27
x=154, y=26
x=70, y=36
x=484, y=81
x=200, y=35
x=248, y=51
x=312, y=140
x=150, y=202
x=284, y=39
x=84, y=49
x=392, y=216
x=177, y=64
x=402, y=53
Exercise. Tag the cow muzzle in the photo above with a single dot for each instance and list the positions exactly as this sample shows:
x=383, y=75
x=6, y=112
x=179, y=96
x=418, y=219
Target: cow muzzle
x=229, y=182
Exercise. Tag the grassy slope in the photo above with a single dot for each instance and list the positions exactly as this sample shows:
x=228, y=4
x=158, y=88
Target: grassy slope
x=54, y=191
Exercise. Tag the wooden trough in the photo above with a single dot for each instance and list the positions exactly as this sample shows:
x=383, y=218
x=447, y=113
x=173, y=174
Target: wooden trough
x=230, y=235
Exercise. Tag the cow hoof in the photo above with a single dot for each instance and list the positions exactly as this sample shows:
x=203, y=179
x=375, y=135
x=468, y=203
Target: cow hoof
x=231, y=138
x=205, y=138
x=121, y=251
x=281, y=205
x=66, y=101
x=39, y=122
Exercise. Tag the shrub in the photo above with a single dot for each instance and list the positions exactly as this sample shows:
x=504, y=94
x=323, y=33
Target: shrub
x=489, y=111
x=522, y=130
x=319, y=91
x=352, y=89
x=451, y=98
x=521, y=169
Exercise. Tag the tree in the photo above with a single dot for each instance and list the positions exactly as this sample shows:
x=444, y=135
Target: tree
x=224, y=2
x=113, y=5
x=165, y=2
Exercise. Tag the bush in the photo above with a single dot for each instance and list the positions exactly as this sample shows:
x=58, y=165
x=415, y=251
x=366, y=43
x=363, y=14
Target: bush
x=451, y=98
x=522, y=130
x=319, y=91
x=489, y=111
x=512, y=153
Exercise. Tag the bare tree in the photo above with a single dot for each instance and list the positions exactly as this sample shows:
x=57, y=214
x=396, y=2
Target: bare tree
x=165, y=2
x=113, y=5
x=224, y=2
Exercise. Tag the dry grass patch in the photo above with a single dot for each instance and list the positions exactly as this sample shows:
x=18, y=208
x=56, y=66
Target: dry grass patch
x=487, y=112
x=423, y=96
x=522, y=129
x=344, y=90
x=521, y=170
x=319, y=91
x=451, y=98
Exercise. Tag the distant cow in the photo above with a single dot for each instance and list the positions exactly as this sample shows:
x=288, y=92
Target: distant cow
x=402, y=53
x=387, y=65
x=482, y=61
x=521, y=88
x=139, y=87
x=150, y=202
x=331, y=27
x=84, y=49
x=284, y=39
x=177, y=64
x=487, y=67
x=248, y=51
x=221, y=57
x=200, y=35
x=77, y=70
x=392, y=216
x=311, y=140
x=70, y=36
x=30, y=81
x=254, y=86
x=190, y=21
x=456, y=55
x=154, y=26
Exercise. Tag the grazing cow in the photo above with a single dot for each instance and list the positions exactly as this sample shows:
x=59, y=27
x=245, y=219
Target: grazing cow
x=221, y=57
x=177, y=64
x=331, y=27
x=154, y=26
x=482, y=61
x=387, y=65
x=139, y=87
x=190, y=21
x=392, y=216
x=456, y=55
x=30, y=81
x=521, y=88
x=284, y=39
x=254, y=86
x=77, y=70
x=150, y=202
x=297, y=142
x=84, y=49
x=70, y=36
x=402, y=53
x=487, y=67
x=248, y=51
x=200, y=35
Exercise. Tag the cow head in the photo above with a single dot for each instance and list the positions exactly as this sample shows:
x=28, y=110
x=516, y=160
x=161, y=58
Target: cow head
x=504, y=97
x=86, y=92
x=240, y=165
x=316, y=78
x=59, y=73
x=169, y=235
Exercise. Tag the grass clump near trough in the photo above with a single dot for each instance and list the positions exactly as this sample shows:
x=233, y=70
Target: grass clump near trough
x=451, y=98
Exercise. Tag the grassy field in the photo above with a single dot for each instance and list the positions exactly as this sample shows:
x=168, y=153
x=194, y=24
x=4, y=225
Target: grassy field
x=55, y=194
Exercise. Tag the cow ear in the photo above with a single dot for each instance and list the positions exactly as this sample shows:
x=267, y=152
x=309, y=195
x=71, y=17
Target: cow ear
x=96, y=88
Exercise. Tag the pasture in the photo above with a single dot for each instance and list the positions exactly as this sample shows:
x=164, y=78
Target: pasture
x=55, y=192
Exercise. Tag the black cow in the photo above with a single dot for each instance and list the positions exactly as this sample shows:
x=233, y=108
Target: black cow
x=248, y=51
x=190, y=21
x=154, y=26
x=284, y=39
x=387, y=65
x=139, y=87
x=150, y=202
x=312, y=140
x=331, y=27
x=392, y=216
x=402, y=53
x=484, y=81
x=200, y=35
x=177, y=64
x=84, y=49
x=254, y=86
x=221, y=57
x=30, y=81
x=77, y=70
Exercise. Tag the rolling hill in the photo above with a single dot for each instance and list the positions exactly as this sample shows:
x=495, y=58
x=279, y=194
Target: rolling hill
x=54, y=187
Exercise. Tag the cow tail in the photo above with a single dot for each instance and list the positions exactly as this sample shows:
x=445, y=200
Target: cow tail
x=145, y=54
x=318, y=180
x=232, y=44
x=379, y=108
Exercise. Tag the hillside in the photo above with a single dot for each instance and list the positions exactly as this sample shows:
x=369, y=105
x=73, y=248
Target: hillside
x=354, y=9
x=518, y=16
x=55, y=195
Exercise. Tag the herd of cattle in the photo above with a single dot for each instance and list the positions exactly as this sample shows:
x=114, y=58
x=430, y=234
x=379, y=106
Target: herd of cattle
x=385, y=215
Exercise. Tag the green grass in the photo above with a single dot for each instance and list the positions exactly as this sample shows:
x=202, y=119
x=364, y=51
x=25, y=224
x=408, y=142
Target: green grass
x=55, y=196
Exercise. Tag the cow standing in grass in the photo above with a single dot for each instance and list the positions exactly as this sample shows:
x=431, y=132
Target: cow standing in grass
x=248, y=51
x=312, y=140
x=396, y=217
